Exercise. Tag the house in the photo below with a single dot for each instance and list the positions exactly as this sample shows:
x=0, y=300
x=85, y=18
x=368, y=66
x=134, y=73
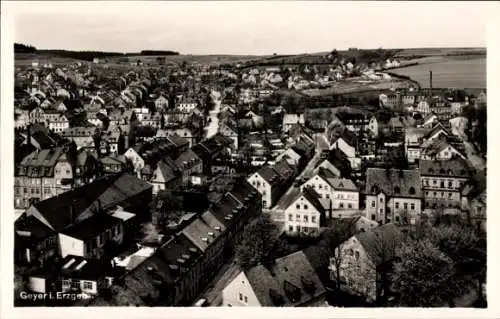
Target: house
x=270, y=182
x=189, y=164
x=393, y=195
x=289, y=281
x=430, y=120
x=166, y=176
x=414, y=137
x=186, y=105
x=134, y=157
x=88, y=238
x=161, y=103
x=291, y=119
x=341, y=193
x=83, y=136
x=347, y=143
x=354, y=122
x=397, y=124
x=86, y=168
x=290, y=155
x=443, y=180
x=210, y=149
x=360, y=260
x=42, y=174
x=378, y=123
x=86, y=275
x=305, y=214
x=39, y=227
x=59, y=124
x=21, y=119
x=439, y=149
x=113, y=164
x=423, y=107
x=227, y=131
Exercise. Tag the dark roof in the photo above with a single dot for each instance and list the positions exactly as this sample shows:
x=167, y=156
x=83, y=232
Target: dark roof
x=178, y=141
x=186, y=157
x=393, y=182
x=288, y=281
x=110, y=190
x=91, y=227
x=284, y=169
x=145, y=283
x=91, y=269
x=312, y=197
x=455, y=167
x=37, y=229
x=270, y=175
x=381, y=242
x=167, y=170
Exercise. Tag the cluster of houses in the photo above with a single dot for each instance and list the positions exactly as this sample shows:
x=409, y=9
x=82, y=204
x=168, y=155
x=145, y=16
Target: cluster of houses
x=102, y=157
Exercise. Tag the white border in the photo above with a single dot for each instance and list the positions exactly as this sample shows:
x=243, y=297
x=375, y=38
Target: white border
x=8, y=11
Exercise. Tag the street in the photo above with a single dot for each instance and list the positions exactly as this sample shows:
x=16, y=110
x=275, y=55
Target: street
x=213, y=126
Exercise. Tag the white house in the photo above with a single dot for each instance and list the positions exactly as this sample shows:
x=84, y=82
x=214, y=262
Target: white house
x=290, y=155
x=88, y=238
x=59, y=124
x=290, y=281
x=292, y=119
x=135, y=158
x=187, y=106
x=305, y=214
x=341, y=193
x=266, y=181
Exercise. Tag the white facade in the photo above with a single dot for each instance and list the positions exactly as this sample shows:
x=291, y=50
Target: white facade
x=263, y=187
x=71, y=246
x=136, y=160
x=239, y=293
x=378, y=208
x=301, y=216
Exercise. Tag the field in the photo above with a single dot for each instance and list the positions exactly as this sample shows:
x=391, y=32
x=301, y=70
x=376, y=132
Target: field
x=349, y=86
x=448, y=71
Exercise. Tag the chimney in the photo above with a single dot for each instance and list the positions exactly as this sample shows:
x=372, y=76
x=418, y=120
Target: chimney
x=72, y=213
x=430, y=83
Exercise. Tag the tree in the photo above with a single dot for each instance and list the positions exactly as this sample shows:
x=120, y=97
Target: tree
x=257, y=241
x=425, y=276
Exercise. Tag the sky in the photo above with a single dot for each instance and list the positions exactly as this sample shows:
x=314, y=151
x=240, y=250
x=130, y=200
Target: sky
x=253, y=28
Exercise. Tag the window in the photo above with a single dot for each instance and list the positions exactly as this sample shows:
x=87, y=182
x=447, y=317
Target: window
x=241, y=296
x=373, y=203
x=306, y=219
x=305, y=206
x=320, y=186
x=75, y=284
x=357, y=255
x=412, y=190
x=297, y=206
x=412, y=206
x=297, y=218
x=290, y=228
x=327, y=195
x=313, y=219
x=397, y=218
x=349, y=205
x=397, y=204
x=405, y=205
x=381, y=200
x=449, y=195
x=246, y=299
x=264, y=203
x=88, y=285
x=397, y=190
x=442, y=184
x=290, y=217
x=66, y=283
x=298, y=229
x=373, y=216
x=450, y=184
x=341, y=205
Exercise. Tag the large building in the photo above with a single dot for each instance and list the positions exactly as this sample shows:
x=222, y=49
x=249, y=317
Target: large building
x=442, y=181
x=393, y=195
x=41, y=175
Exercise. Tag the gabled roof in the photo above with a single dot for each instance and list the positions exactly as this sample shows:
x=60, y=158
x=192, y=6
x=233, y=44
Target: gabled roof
x=270, y=175
x=341, y=184
x=438, y=127
x=35, y=227
x=289, y=281
x=393, y=182
x=311, y=196
x=186, y=157
x=167, y=170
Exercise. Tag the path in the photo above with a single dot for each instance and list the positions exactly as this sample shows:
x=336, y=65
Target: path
x=213, y=126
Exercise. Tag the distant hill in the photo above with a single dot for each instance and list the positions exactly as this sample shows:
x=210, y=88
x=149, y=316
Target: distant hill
x=86, y=55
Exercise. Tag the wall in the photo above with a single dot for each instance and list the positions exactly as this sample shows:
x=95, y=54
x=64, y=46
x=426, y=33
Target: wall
x=36, y=284
x=302, y=212
x=359, y=272
x=240, y=284
x=70, y=246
